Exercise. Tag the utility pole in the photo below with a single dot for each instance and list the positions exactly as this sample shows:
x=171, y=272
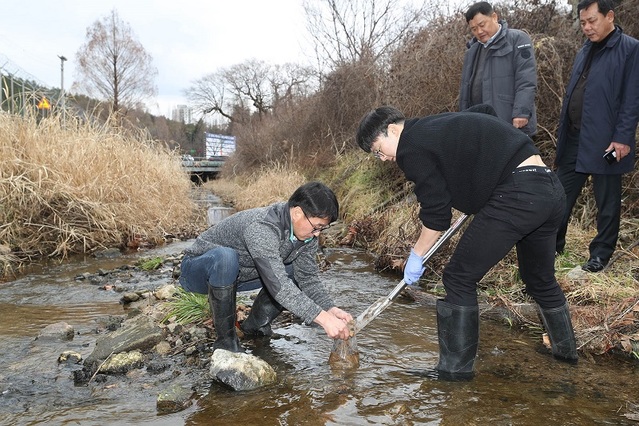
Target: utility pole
x=64, y=110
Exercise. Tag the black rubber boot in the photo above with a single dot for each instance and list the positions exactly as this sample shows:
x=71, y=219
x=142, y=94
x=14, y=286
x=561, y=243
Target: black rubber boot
x=264, y=310
x=562, y=336
x=222, y=303
x=458, y=332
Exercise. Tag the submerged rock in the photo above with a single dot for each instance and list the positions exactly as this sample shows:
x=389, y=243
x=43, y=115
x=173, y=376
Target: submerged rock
x=175, y=398
x=59, y=330
x=240, y=371
x=70, y=357
x=138, y=333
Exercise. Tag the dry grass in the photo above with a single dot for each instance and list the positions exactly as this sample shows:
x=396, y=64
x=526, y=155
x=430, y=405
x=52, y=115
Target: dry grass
x=83, y=187
x=259, y=189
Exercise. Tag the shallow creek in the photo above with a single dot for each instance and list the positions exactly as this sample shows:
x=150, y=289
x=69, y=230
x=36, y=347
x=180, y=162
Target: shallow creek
x=517, y=382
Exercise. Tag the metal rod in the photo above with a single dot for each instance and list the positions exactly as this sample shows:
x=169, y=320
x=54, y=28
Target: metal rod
x=382, y=303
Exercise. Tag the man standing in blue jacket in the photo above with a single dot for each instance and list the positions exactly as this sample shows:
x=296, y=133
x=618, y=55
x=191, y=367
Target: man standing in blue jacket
x=499, y=69
x=597, y=126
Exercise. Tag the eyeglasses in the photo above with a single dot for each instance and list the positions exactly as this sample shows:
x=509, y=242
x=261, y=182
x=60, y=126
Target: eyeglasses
x=317, y=229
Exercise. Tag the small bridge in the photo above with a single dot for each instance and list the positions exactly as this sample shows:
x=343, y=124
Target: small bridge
x=202, y=169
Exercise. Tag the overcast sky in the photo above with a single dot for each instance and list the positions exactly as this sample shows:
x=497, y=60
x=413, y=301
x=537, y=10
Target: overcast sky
x=187, y=39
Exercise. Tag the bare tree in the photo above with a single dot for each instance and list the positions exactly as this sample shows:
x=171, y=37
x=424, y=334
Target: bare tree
x=211, y=95
x=249, y=81
x=114, y=66
x=253, y=86
x=291, y=82
x=346, y=31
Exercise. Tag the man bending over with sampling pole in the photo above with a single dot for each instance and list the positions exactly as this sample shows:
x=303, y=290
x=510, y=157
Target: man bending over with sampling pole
x=478, y=164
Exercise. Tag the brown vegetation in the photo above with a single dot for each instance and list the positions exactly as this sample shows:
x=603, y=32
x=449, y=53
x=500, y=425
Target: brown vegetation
x=78, y=188
x=420, y=77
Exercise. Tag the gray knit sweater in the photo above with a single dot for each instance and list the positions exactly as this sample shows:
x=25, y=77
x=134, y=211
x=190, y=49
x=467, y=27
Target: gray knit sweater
x=261, y=237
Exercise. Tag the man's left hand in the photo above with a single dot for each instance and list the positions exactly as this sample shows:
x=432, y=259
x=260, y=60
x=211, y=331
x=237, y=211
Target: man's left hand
x=414, y=268
x=519, y=122
x=621, y=149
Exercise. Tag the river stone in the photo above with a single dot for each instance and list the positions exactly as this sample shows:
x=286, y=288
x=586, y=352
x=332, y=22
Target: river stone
x=174, y=399
x=122, y=362
x=59, y=330
x=109, y=253
x=240, y=371
x=166, y=292
x=577, y=274
x=129, y=297
x=70, y=357
x=137, y=333
x=163, y=348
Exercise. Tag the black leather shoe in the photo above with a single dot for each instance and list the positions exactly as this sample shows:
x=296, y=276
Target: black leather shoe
x=595, y=264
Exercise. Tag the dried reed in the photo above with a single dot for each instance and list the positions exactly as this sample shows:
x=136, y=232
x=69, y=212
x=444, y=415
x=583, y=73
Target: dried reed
x=83, y=186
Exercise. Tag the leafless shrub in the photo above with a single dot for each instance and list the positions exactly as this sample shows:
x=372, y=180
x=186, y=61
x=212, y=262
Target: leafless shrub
x=425, y=73
x=420, y=77
x=626, y=16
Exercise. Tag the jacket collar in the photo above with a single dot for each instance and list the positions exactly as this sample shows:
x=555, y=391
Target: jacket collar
x=494, y=41
x=613, y=38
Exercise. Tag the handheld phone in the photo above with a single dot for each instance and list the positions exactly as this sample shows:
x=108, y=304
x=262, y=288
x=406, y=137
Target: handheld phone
x=610, y=156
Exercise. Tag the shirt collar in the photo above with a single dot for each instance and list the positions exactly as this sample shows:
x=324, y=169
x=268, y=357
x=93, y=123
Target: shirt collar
x=490, y=40
x=293, y=238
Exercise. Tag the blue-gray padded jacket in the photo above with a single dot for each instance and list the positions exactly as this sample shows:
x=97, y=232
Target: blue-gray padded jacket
x=261, y=237
x=509, y=79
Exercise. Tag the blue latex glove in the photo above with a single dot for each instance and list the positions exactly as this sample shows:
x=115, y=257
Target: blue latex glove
x=413, y=269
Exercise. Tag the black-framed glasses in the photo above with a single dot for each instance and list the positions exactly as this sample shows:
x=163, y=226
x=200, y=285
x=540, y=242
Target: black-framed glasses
x=316, y=228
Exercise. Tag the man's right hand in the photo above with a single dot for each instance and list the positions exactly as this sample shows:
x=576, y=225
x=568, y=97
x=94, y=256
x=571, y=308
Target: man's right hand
x=519, y=122
x=414, y=268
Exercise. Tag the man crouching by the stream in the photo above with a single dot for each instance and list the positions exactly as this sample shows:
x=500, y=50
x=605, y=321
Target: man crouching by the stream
x=273, y=247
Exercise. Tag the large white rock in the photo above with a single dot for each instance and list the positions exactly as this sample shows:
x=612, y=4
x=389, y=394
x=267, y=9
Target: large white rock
x=240, y=371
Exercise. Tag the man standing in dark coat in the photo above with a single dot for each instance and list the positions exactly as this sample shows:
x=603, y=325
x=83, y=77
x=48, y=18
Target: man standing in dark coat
x=599, y=116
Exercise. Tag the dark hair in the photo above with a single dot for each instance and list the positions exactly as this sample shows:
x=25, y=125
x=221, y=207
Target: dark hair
x=605, y=6
x=316, y=200
x=481, y=7
x=376, y=123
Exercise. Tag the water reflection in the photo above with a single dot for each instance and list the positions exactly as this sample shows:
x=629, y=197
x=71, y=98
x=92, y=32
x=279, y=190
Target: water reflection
x=517, y=382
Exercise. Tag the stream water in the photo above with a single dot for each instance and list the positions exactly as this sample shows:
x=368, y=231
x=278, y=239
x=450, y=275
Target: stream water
x=517, y=382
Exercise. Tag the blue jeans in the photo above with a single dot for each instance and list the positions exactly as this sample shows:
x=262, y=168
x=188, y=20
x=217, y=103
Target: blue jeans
x=217, y=267
x=525, y=212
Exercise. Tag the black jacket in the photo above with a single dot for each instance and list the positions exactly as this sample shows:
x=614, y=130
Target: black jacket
x=457, y=159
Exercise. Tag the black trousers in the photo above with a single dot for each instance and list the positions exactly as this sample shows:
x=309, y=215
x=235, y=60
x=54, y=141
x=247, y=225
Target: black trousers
x=607, y=191
x=524, y=211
